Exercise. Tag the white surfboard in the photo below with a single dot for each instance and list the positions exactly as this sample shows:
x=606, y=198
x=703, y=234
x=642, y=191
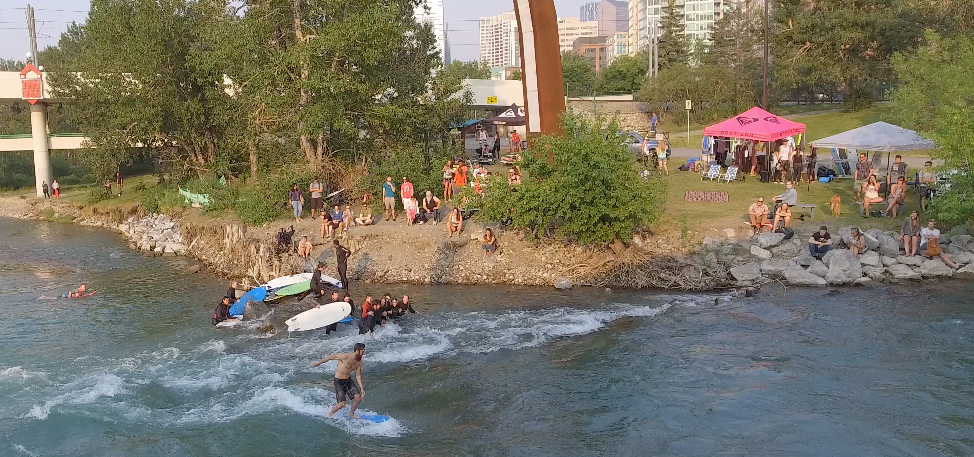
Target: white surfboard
x=229, y=323
x=319, y=317
x=285, y=281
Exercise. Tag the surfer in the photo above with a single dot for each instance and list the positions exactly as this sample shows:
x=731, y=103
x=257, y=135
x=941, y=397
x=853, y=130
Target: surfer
x=232, y=292
x=222, y=312
x=405, y=306
x=332, y=327
x=344, y=386
x=341, y=257
x=317, y=285
x=77, y=292
x=367, y=323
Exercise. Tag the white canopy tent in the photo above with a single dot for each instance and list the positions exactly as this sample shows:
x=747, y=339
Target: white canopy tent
x=878, y=136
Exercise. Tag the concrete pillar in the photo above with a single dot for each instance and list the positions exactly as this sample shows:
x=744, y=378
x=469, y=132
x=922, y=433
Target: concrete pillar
x=43, y=171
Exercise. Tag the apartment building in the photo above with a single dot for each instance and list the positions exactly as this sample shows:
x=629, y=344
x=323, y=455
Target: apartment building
x=616, y=45
x=499, y=40
x=431, y=11
x=571, y=29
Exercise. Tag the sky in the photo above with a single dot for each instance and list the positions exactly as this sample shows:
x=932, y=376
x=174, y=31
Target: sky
x=53, y=17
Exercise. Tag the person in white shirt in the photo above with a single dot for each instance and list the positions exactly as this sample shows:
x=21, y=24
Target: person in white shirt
x=929, y=237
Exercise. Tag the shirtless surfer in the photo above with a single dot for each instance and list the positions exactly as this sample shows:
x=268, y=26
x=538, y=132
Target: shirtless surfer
x=80, y=291
x=344, y=386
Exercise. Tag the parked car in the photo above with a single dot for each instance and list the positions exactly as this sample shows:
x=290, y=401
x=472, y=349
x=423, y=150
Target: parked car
x=633, y=142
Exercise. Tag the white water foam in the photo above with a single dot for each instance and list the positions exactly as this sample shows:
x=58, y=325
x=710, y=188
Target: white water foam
x=83, y=391
x=19, y=374
x=24, y=450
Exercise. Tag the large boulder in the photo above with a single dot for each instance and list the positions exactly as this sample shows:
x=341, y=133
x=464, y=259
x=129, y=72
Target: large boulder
x=774, y=268
x=255, y=310
x=961, y=241
x=901, y=271
x=963, y=258
x=747, y=272
x=818, y=268
x=796, y=276
x=888, y=261
x=934, y=268
x=863, y=282
x=888, y=245
x=913, y=261
x=805, y=259
x=844, y=267
x=788, y=249
x=965, y=273
x=870, y=259
x=769, y=240
x=761, y=253
x=875, y=273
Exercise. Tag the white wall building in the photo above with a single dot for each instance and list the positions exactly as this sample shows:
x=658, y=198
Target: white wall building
x=616, y=45
x=698, y=18
x=431, y=11
x=499, y=40
x=571, y=29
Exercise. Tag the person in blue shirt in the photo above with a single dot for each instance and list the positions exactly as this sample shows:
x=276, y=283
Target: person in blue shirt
x=338, y=220
x=389, y=198
x=654, y=120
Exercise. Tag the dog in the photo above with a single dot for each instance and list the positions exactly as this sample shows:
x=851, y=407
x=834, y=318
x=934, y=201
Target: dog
x=836, y=205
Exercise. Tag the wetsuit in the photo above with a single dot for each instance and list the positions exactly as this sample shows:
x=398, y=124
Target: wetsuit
x=401, y=310
x=221, y=313
x=367, y=323
x=341, y=257
x=232, y=293
x=317, y=285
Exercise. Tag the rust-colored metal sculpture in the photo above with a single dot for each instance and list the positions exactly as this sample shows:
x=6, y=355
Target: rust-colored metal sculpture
x=544, y=89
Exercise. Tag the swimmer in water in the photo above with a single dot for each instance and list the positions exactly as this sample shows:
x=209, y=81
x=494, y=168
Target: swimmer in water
x=77, y=292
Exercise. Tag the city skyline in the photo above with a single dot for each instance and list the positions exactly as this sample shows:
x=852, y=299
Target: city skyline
x=53, y=17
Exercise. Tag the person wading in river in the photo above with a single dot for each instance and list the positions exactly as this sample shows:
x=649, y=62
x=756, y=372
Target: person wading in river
x=344, y=386
x=341, y=256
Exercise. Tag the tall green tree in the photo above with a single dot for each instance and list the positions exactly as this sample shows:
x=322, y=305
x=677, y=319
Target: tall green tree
x=935, y=98
x=674, y=46
x=625, y=75
x=579, y=75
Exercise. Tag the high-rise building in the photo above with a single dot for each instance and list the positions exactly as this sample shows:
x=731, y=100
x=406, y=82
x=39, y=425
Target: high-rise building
x=571, y=29
x=499, y=42
x=589, y=12
x=431, y=11
x=612, y=15
x=616, y=45
x=698, y=18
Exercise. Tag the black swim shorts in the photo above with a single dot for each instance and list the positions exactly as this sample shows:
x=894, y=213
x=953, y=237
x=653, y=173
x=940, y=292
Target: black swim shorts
x=345, y=388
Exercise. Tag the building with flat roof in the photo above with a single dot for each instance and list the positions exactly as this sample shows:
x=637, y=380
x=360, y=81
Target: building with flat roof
x=616, y=45
x=571, y=29
x=698, y=18
x=499, y=41
x=592, y=48
x=431, y=11
x=612, y=15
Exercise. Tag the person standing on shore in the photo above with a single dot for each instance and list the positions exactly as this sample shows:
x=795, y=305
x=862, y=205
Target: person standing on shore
x=46, y=190
x=406, y=192
x=389, y=199
x=344, y=387
x=57, y=189
x=341, y=257
x=297, y=201
x=108, y=187
x=118, y=180
x=315, y=190
x=448, y=180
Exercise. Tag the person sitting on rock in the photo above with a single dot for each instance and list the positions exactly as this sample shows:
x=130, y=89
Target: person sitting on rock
x=783, y=214
x=929, y=237
x=758, y=215
x=365, y=217
x=856, y=242
x=820, y=243
x=304, y=248
x=910, y=234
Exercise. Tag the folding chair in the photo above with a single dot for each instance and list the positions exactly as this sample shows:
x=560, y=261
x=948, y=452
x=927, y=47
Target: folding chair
x=711, y=174
x=731, y=175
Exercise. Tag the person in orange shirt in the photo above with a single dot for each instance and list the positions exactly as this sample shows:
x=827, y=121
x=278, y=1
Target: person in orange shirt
x=460, y=178
x=367, y=323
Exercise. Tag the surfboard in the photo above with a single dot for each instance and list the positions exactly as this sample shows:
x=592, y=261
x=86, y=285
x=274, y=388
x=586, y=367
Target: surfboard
x=376, y=418
x=255, y=294
x=319, y=316
x=293, y=289
x=284, y=281
x=226, y=324
x=62, y=296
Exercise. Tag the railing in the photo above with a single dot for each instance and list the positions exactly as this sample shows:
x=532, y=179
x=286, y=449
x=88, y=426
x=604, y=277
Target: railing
x=28, y=135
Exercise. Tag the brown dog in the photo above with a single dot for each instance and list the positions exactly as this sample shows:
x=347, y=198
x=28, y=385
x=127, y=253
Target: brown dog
x=836, y=205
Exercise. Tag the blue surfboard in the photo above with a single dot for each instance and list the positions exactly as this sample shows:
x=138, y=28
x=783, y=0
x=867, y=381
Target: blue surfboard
x=255, y=294
x=376, y=418
x=347, y=320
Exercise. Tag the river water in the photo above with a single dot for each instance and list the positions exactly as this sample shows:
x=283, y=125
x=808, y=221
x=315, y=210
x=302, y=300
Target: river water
x=138, y=370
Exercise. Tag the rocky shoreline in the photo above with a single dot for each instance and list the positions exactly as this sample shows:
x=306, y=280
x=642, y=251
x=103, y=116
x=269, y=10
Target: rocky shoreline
x=423, y=257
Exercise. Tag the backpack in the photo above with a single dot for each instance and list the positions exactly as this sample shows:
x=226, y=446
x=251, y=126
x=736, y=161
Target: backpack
x=786, y=231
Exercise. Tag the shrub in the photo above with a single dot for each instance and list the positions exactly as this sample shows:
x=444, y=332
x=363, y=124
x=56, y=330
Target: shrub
x=592, y=194
x=424, y=170
x=96, y=194
x=266, y=200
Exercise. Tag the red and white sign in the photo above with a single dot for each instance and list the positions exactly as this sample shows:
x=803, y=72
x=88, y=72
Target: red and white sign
x=32, y=84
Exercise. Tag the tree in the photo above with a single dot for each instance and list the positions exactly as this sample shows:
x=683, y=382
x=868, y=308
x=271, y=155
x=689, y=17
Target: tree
x=934, y=97
x=578, y=73
x=624, y=75
x=592, y=194
x=674, y=47
x=516, y=75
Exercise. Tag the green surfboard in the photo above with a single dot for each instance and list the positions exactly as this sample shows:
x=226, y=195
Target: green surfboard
x=293, y=289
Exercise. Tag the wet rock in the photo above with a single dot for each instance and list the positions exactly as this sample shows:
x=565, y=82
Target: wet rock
x=961, y=241
x=769, y=240
x=962, y=258
x=563, y=283
x=844, y=267
x=255, y=310
x=965, y=273
x=775, y=268
x=193, y=269
x=888, y=261
x=913, y=261
x=901, y=271
x=935, y=268
x=805, y=259
x=796, y=276
x=747, y=272
x=761, y=253
x=818, y=268
x=870, y=259
x=863, y=282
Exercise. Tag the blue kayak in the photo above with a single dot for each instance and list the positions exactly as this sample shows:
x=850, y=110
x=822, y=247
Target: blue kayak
x=255, y=294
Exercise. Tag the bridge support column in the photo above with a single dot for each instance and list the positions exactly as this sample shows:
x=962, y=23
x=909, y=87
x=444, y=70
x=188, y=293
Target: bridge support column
x=43, y=171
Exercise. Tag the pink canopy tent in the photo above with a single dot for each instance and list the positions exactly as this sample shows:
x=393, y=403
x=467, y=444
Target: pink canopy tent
x=755, y=124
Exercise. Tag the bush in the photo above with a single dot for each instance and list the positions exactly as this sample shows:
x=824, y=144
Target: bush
x=266, y=200
x=96, y=194
x=161, y=199
x=424, y=170
x=592, y=194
